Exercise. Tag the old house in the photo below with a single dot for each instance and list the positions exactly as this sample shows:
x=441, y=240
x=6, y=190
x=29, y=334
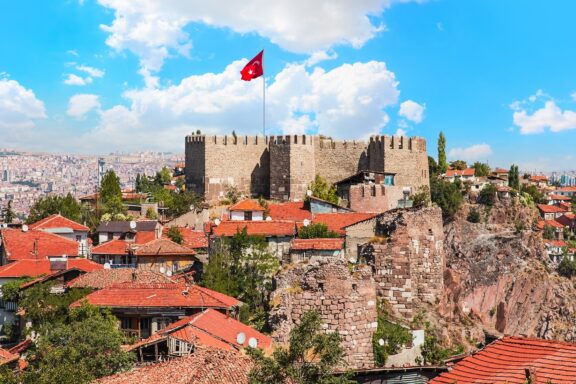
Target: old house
x=128, y=230
x=246, y=210
x=464, y=175
x=539, y=181
x=370, y=191
x=551, y=212
x=25, y=243
x=310, y=250
x=103, y=278
x=206, y=328
x=143, y=309
x=62, y=226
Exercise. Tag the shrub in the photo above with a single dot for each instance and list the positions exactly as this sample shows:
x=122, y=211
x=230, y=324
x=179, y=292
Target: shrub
x=473, y=216
x=488, y=195
x=567, y=267
x=316, y=231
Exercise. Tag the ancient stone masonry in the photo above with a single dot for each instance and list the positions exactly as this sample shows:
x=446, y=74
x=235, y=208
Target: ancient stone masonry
x=409, y=259
x=346, y=302
x=281, y=167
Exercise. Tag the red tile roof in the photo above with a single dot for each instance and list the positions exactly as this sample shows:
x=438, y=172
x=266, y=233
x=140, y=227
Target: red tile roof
x=33, y=268
x=547, y=208
x=553, y=223
x=555, y=243
x=57, y=221
x=338, y=221
x=190, y=238
x=503, y=189
x=162, y=247
x=567, y=189
x=457, y=172
x=7, y=357
x=34, y=244
x=560, y=197
x=247, y=205
x=205, y=366
x=500, y=170
x=107, y=277
x=196, y=336
x=112, y=247
x=317, y=244
x=292, y=210
x=506, y=361
x=261, y=228
x=538, y=178
x=130, y=294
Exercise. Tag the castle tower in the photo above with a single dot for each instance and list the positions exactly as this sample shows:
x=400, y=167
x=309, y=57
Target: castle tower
x=292, y=166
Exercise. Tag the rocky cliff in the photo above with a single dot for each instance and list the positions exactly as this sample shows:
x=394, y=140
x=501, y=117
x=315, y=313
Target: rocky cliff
x=498, y=279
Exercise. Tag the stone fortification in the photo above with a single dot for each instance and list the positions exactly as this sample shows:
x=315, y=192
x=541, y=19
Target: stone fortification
x=409, y=259
x=346, y=302
x=281, y=167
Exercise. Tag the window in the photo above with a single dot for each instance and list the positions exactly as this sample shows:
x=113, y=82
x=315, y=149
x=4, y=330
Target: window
x=389, y=180
x=110, y=236
x=125, y=323
x=78, y=238
x=248, y=215
x=174, y=266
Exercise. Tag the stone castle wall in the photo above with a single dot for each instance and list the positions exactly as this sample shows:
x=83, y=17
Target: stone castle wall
x=281, y=167
x=346, y=303
x=409, y=262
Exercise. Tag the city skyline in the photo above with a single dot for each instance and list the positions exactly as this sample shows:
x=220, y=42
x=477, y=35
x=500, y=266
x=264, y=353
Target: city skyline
x=493, y=76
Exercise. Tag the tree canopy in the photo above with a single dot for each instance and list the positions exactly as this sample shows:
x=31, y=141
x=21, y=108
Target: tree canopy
x=459, y=164
x=322, y=189
x=481, y=169
x=111, y=193
x=45, y=206
x=316, y=231
x=442, y=165
x=514, y=177
x=448, y=197
x=311, y=357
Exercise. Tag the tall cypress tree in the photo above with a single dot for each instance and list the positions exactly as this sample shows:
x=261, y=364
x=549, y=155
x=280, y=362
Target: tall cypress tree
x=442, y=165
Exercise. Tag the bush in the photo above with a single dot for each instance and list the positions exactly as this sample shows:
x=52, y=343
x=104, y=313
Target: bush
x=316, y=231
x=448, y=197
x=422, y=197
x=488, y=195
x=473, y=216
x=175, y=235
x=395, y=337
x=322, y=189
x=548, y=233
x=567, y=267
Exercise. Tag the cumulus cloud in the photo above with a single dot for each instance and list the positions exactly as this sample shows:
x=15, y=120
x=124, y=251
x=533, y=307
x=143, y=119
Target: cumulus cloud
x=550, y=116
x=471, y=153
x=348, y=101
x=19, y=106
x=94, y=72
x=319, y=56
x=412, y=111
x=72, y=79
x=79, y=105
x=154, y=30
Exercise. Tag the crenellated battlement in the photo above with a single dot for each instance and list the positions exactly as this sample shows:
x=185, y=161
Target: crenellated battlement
x=282, y=166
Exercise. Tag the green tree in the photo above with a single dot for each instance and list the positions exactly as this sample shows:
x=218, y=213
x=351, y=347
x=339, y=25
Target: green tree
x=316, y=231
x=322, y=189
x=422, y=197
x=392, y=336
x=84, y=348
x=164, y=177
x=45, y=206
x=537, y=196
x=111, y=194
x=433, y=169
x=566, y=267
x=433, y=353
x=487, y=195
x=447, y=196
x=175, y=235
x=481, y=169
x=151, y=214
x=548, y=232
x=514, y=177
x=473, y=216
x=459, y=164
x=442, y=165
x=310, y=358
x=9, y=214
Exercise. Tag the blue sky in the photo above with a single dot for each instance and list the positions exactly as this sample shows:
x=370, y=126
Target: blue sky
x=96, y=76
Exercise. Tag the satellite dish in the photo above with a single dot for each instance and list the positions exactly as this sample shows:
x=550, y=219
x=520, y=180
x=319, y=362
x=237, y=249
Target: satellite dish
x=132, y=224
x=169, y=273
x=162, y=270
x=306, y=222
x=309, y=193
x=241, y=338
x=252, y=342
x=106, y=265
x=24, y=228
x=217, y=222
x=268, y=218
x=381, y=342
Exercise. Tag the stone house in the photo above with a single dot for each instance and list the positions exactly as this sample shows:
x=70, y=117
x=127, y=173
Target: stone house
x=246, y=210
x=551, y=212
x=370, y=191
x=464, y=175
x=312, y=250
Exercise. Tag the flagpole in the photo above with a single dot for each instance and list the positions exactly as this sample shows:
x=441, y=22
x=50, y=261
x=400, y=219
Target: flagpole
x=263, y=98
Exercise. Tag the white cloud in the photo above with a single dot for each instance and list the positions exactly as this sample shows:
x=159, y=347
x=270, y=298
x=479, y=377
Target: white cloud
x=73, y=79
x=473, y=152
x=93, y=72
x=400, y=132
x=346, y=102
x=154, y=30
x=412, y=111
x=79, y=105
x=319, y=56
x=548, y=117
x=19, y=108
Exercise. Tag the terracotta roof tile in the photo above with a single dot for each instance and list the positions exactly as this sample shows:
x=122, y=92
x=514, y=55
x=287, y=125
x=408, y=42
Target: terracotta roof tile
x=205, y=366
x=567, y=189
x=262, y=228
x=161, y=247
x=553, y=223
x=538, y=178
x=112, y=247
x=107, y=277
x=190, y=238
x=246, y=205
x=317, y=244
x=560, y=197
x=295, y=211
x=36, y=244
x=457, y=172
x=555, y=243
x=7, y=357
x=33, y=268
x=131, y=294
x=547, y=208
x=338, y=221
x=57, y=221
x=506, y=361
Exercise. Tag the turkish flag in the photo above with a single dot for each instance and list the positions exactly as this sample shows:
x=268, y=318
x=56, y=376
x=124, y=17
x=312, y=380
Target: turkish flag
x=254, y=68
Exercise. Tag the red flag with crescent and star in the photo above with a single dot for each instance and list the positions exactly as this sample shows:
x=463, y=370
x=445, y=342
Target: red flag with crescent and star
x=254, y=68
